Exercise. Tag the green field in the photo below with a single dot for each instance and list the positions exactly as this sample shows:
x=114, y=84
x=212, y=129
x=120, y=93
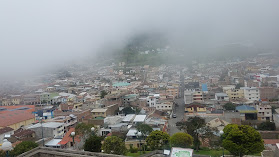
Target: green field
x=136, y=154
x=212, y=153
x=216, y=153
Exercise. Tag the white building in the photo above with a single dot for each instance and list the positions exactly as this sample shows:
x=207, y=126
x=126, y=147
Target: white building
x=152, y=100
x=188, y=97
x=50, y=129
x=139, y=119
x=251, y=93
x=129, y=118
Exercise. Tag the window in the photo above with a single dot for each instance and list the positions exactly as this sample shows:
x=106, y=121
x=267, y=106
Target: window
x=267, y=113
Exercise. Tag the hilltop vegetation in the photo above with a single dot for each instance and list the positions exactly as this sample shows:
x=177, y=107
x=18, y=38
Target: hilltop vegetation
x=155, y=49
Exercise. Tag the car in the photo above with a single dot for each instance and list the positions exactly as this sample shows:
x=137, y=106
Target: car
x=174, y=116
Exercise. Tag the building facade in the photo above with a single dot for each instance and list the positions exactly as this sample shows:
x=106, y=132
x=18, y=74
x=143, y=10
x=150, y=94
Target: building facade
x=251, y=93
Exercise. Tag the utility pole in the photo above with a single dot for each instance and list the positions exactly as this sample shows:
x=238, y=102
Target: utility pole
x=42, y=131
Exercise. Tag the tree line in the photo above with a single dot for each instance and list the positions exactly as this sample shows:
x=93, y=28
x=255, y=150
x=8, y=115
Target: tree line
x=237, y=139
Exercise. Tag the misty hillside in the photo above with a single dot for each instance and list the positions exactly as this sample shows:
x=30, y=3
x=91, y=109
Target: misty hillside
x=155, y=49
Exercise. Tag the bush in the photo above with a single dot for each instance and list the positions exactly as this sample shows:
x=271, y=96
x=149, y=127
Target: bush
x=267, y=126
x=93, y=144
x=229, y=106
x=181, y=139
x=205, y=148
x=134, y=150
x=23, y=147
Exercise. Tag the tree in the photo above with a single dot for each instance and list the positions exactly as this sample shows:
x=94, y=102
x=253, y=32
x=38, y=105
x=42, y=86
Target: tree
x=267, y=126
x=24, y=147
x=2, y=153
x=93, y=144
x=103, y=94
x=114, y=145
x=229, y=106
x=157, y=139
x=181, y=139
x=196, y=127
x=242, y=140
x=84, y=129
x=128, y=110
x=145, y=129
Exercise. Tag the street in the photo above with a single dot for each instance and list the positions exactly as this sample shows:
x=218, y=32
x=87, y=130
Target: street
x=179, y=110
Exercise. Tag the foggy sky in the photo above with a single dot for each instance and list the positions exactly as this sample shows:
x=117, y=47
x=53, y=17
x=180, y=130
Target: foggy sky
x=35, y=35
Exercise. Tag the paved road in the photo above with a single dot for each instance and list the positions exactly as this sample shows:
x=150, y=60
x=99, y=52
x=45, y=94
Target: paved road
x=179, y=110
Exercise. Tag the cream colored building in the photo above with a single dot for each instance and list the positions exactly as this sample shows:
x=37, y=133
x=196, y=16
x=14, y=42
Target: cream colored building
x=21, y=123
x=99, y=112
x=164, y=106
x=173, y=91
x=235, y=94
x=12, y=100
x=198, y=96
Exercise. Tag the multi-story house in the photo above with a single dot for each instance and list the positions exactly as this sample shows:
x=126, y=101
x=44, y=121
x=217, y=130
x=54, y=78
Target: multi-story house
x=50, y=129
x=16, y=99
x=164, y=106
x=31, y=99
x=173, y=91
x=152, y=100
x=251, y=93
x=208, y=96
x=69, y=121
x=264, y=112
x=47, y=97
x=99, y=112
x=198, y=96
x=12, y=100
x=268, y=93
x=235, y=94
x=188, y=97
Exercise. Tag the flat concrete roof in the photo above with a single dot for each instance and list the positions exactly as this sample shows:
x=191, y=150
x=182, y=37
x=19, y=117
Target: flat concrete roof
x=139, y=118
x=99, y=110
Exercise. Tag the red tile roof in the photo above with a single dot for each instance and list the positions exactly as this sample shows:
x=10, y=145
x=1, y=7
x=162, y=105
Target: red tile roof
x=271, y=141
x=68, y=138
x=5, y=130
x=13, y=114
